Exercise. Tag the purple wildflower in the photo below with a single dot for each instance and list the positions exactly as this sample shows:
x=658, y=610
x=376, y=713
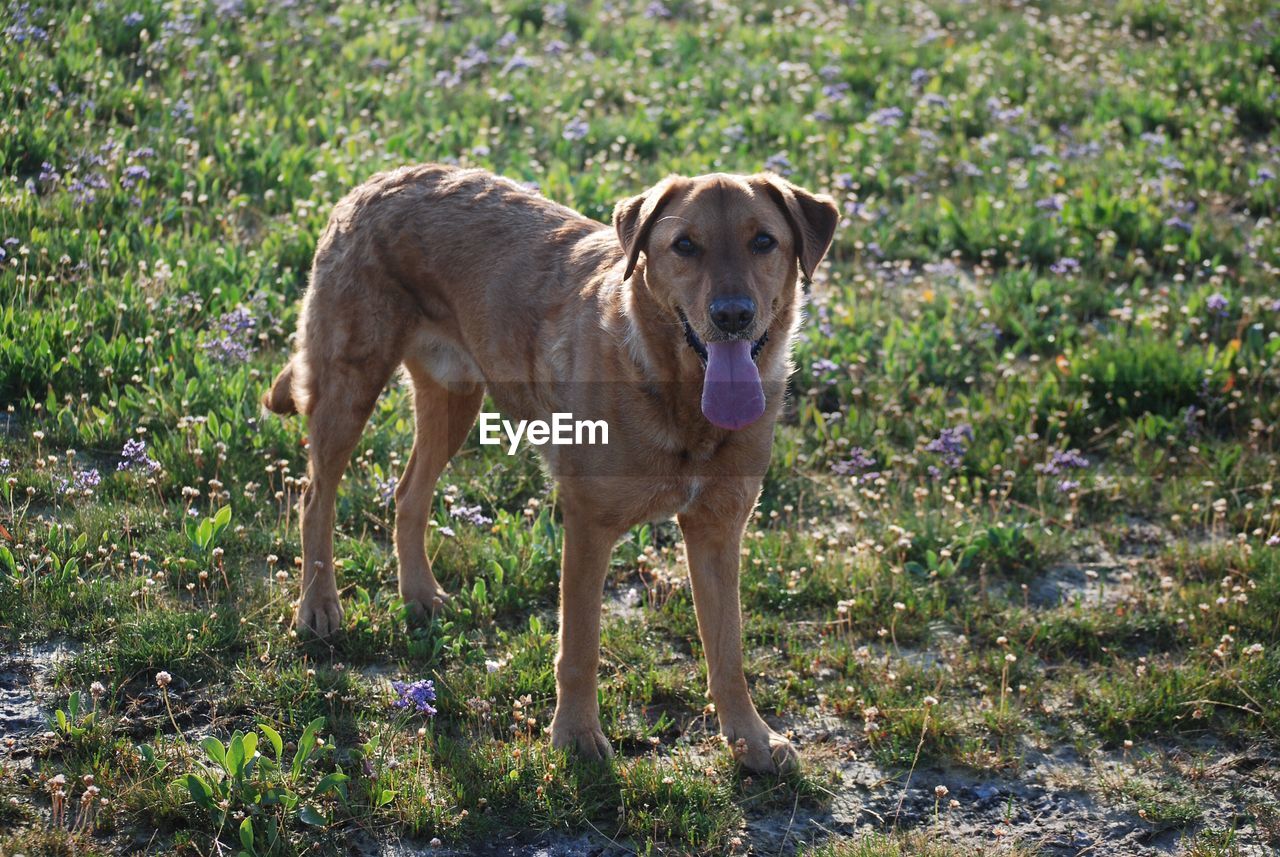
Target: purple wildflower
x=951, y=444
x=5, y=464
x=1065, y=265
x=835, y=91
x=84, y=481
x=134, y=175
x=822, y=365
x=854, y=208
x=1264, y=175
x=858, y=460
x=1274, y=541
x=779, y=163
x=1176, y=222
x=238, y=321
x=133, y=19
x=417, y=695
x=22, y=29
x=471, y=514
x=1002, y=114
x=473, y=57
x=887, y=117
x=1066, y=486
x=386, y=488
x=516, y=63
x=657, y=10
x=1062, y=461
x=446, y=79
x=224, y=349
x=1218, y=304
x=236, y=343
x=1052, y=204
x=556, y=14
x=576, y=129
x=234, y=9
x=134, y=456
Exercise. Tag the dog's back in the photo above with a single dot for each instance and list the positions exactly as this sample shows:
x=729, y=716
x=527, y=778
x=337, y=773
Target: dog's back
x=428, y=261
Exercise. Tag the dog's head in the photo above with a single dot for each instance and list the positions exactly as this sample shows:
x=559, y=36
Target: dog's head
x=721, y=254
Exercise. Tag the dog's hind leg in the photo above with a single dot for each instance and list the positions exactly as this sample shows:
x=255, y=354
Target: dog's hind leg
x=338, y=415
x=442, y=419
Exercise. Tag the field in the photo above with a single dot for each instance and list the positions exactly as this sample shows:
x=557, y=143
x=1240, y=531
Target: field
x=1014, y=582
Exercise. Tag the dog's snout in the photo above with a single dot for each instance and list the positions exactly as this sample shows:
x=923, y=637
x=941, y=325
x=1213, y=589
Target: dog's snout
x=733, y=314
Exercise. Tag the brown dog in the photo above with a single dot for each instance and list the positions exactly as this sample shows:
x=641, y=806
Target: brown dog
x=674, y=327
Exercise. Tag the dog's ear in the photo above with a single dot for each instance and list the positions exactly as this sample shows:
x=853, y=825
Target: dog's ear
x=812, y=216
x=633, y=219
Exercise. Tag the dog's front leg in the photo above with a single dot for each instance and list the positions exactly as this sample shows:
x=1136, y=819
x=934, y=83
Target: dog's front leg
x=576, y=725
x=713, y=539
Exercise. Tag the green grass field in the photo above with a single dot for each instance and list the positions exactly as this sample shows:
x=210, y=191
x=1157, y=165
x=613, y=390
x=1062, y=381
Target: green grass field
x=1029, y=468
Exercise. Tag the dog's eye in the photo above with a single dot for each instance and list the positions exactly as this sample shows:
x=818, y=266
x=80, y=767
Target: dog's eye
x=684, y=246
x=763, y=243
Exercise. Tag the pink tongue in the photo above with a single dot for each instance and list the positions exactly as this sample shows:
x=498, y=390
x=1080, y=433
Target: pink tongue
x=732, y=397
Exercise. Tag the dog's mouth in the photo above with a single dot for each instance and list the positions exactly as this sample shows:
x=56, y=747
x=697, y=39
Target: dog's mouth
x=700, y=348
x=732, y=395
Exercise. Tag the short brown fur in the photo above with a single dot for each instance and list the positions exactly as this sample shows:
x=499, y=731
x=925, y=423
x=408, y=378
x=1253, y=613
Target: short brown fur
x=473, y=283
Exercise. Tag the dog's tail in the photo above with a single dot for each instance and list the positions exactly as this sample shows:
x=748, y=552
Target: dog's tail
x=279, y=399
x=291, y=391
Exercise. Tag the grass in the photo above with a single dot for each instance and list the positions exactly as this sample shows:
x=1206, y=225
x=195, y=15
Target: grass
x=1058, y=260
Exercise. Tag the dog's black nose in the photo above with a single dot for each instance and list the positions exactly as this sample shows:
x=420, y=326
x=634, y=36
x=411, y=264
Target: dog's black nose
x=733, y=315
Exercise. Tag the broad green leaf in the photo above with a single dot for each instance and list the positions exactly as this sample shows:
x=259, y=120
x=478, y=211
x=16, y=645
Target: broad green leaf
x=332, y=781
x=200, y=791
x=250, y=747
x=235, y=755
x=274, y=738
x=310, y=815
x=305, y=744
x=214, y=750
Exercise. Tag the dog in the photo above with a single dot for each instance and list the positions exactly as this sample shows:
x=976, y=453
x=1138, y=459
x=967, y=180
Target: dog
x=674, y=325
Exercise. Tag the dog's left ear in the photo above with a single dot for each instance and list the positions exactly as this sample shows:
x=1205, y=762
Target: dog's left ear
x=812, y=216
x=633, y=219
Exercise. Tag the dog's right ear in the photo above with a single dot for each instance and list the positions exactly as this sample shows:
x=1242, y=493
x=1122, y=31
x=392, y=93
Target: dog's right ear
x=633, y=219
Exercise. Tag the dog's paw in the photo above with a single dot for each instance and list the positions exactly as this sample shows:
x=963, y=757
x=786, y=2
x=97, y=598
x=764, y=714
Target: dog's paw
x=586, y=742
x=421, y=605
x=766, y=752
x=320, y=615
